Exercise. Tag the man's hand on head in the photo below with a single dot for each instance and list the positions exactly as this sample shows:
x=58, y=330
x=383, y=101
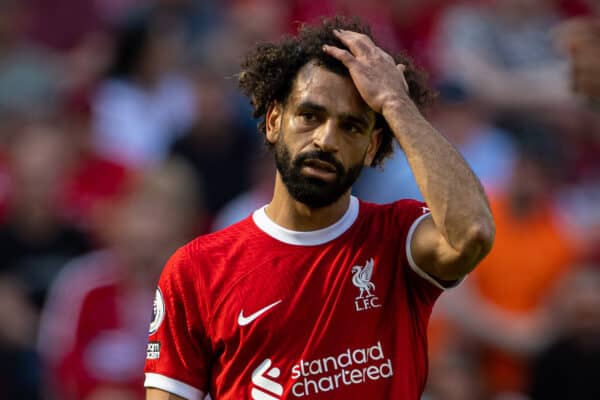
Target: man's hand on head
x=376, y=76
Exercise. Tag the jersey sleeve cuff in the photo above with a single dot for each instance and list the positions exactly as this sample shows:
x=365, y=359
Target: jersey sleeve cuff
x=415, y=267
x=172, y=386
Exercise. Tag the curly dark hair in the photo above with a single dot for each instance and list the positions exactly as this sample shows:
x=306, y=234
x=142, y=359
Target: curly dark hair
x=269, y=70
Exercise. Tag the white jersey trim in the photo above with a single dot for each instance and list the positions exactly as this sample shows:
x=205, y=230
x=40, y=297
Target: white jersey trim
x=172, y=386
x=310, y=238
x=413, y=264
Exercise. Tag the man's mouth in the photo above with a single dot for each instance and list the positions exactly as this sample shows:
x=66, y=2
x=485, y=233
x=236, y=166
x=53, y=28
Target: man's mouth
x=320, y=165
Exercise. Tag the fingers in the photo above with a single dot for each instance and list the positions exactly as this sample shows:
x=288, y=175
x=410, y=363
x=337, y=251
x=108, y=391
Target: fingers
x=342, y=55
x=358, y=43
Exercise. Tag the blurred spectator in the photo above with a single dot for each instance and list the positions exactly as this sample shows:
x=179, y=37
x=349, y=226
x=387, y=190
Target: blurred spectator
x=29, y=77
x=269, y=19
x=92, y=181
x=502, y=305
x=455, y=375
x=258, y=194
x=579, y=203
x=568, y=368
x=219, y=145
x=579, y=195
x=144, y=104
x=19, y=363
x=416, y=25
x=92, y=336
x=84, y=180
x=504, y=54
x=35, y=242
x=580, y=39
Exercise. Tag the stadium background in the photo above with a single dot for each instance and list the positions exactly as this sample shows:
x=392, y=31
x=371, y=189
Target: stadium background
x=122, y=136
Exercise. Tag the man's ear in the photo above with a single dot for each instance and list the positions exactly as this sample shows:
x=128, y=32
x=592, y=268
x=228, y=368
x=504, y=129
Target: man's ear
x=374, y=143
x=273, y=122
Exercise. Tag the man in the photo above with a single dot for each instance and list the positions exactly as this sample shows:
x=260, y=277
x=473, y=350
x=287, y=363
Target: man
x=319, y=295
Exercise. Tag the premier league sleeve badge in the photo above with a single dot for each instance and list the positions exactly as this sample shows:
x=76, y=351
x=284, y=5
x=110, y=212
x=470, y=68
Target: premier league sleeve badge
x=158, y=312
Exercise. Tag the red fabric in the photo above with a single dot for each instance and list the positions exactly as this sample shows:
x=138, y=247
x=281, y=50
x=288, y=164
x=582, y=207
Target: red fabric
x=574, y=8
x=93, y=333
x=60, y=24
x=320, y=337
x=93, y=181
x=416, y=35
x=378, y=14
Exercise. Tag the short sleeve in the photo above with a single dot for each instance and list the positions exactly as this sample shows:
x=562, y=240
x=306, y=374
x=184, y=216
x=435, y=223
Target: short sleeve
x=177, y=357
x=410, y=213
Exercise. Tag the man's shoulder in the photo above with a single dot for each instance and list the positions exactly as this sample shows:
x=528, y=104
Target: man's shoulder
x=218, y=247
x=391, y=219
x=402, y=205
x=210, y=263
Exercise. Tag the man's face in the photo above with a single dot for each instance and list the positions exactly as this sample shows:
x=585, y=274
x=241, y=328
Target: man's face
x=323, y=136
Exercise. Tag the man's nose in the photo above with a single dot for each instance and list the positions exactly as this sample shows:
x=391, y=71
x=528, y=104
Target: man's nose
x=325, y=137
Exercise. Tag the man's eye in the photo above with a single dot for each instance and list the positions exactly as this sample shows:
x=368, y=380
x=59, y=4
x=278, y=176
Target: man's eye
x=308, y=117
x=351, y=128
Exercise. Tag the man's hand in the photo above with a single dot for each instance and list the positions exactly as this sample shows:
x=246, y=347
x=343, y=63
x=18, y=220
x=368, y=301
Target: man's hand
x=376, y=76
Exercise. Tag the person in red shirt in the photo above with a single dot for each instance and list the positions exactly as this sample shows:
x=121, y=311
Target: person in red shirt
x=320, y=295
x=91, y=336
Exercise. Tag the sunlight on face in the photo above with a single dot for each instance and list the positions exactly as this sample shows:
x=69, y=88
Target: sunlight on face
x=324, y=138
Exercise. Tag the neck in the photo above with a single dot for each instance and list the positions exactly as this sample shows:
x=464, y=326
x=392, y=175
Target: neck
x=289, y=213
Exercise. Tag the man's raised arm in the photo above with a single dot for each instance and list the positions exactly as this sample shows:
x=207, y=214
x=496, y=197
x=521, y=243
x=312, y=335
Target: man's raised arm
x=462, y=230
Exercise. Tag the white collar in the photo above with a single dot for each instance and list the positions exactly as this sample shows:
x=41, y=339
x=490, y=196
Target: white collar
x=310, y=238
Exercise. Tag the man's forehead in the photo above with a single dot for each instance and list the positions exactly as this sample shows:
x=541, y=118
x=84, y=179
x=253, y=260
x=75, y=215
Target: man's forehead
x=318, y=85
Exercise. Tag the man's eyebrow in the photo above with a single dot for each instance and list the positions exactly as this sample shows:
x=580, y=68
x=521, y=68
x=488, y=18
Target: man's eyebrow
x=309, y=105
x=361, y=120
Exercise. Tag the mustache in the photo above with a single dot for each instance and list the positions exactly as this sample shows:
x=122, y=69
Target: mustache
x=321, y=156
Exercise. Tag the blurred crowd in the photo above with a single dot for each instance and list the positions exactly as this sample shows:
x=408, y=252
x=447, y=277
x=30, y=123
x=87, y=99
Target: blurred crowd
x=122, y=136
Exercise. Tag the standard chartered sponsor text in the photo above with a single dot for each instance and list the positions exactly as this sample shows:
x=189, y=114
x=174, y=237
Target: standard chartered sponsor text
x=350, y=367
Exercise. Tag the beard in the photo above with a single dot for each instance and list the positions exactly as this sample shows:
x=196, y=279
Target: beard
x=312, y=191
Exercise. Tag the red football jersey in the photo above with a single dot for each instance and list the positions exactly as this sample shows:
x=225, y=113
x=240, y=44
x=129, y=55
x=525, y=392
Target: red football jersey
x=257, y=311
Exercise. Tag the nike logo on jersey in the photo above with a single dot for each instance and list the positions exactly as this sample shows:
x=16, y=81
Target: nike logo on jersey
x=243, y=321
